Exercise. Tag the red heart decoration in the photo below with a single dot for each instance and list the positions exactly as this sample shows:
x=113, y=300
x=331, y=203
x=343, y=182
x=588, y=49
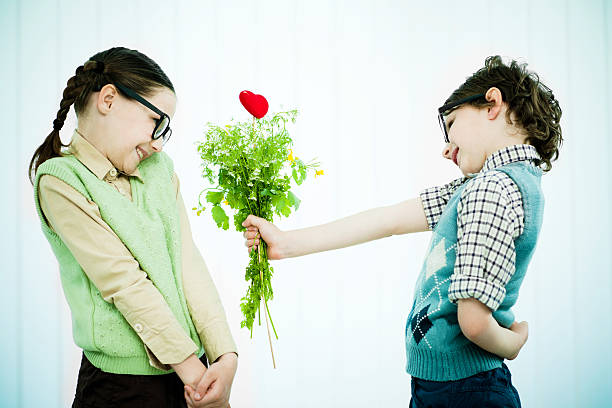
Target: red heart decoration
x=255, y=104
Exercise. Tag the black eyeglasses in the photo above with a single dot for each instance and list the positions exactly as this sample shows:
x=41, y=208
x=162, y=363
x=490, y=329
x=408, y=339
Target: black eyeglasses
x=442, y=111
x=162, y=125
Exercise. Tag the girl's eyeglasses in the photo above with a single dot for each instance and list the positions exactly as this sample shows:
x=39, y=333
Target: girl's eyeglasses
x=162, y=125
x=444, y=111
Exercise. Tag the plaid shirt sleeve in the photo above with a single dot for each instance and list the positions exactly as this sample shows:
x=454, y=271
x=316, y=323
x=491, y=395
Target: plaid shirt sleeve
x=434, y=200
x=489, y=219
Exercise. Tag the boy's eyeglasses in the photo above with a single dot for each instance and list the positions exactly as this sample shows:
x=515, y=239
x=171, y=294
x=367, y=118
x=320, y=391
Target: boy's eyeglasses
x=162, y=125
x=444, y=109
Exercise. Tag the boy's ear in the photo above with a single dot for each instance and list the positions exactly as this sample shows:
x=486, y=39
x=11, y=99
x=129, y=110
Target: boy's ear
x=105, y=98
x=494, y=95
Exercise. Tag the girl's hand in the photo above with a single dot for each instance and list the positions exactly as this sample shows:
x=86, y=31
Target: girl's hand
x=190, y=371
x=522, y=329
x=275, y=239
x=214, y=388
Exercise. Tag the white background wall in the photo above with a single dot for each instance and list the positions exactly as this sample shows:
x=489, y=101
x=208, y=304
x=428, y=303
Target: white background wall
x=367, y=77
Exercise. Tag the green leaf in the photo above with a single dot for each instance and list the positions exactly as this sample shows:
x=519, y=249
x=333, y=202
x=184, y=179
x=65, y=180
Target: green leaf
x=294, y=201
x=281, y=204
x=234, y=201
x=220, y=217
x=278, y=200
x=215, y=197
x=295, y=176
x=286, y=210
x=303, y=174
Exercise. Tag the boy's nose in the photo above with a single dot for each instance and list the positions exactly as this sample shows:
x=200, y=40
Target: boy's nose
x=447, y=151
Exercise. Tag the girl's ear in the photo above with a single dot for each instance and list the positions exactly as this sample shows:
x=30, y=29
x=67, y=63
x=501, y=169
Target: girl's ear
x=107, y=96
x=494, y=95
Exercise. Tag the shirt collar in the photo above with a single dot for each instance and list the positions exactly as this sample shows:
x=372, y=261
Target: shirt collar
x=509, y=154
x=95, y=161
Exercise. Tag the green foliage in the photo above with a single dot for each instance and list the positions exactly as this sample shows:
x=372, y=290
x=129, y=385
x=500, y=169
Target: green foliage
x=220, y=217
x=214, y=197
x=250, y=166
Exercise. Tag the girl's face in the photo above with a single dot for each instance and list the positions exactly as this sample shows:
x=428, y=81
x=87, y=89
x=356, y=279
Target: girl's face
x=467, y=135
x=128, y=127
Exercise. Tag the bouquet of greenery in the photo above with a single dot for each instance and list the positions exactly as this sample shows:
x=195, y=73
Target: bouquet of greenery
x=251, y=167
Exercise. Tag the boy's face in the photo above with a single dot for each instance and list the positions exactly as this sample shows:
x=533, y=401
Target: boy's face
x=467, y=133
x=475, y=133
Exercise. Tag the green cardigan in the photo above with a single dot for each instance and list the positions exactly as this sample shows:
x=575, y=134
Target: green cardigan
x=149, y=227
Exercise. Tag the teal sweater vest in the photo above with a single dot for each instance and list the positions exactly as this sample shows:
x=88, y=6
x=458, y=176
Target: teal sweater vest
x=436, y=349
x=149, y=227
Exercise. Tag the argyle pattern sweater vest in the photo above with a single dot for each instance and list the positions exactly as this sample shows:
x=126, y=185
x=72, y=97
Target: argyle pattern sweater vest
x=436, y=349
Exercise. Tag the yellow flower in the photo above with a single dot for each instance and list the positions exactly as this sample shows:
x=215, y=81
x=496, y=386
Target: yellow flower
x=228, y=126
x=199, y=212
x=194, y=208
x=290, y=158
x=225, y=202
x=319, y=173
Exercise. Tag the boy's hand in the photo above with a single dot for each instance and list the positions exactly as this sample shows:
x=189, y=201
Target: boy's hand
x=407, y=216
x=522, y=329
x=258, y=227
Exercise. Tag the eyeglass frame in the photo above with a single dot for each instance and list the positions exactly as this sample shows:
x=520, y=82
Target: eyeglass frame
x=132, y=94
x=445, y=108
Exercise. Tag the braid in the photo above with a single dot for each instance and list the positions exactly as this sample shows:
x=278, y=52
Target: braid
x=74, y=86
x=86, y=77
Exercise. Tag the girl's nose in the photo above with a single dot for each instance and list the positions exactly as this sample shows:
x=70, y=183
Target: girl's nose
x=157, y=144
x=447, y=151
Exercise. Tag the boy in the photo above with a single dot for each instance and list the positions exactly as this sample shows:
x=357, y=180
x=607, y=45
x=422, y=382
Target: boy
x=501, y=128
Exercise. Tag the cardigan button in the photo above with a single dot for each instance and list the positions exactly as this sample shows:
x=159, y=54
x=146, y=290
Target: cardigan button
x=113, y=172
x=138, y=327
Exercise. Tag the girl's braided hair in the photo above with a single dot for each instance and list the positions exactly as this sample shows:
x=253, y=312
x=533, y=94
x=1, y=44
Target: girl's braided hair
x=117, y=65
x=532, y=103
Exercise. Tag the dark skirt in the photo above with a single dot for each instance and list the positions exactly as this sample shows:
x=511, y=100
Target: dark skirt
x=99, y=389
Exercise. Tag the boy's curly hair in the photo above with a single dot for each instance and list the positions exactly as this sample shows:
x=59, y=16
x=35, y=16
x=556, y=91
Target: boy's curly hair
x=533, y=104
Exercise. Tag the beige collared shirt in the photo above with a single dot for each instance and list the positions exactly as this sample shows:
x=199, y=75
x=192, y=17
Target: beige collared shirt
x=117, y=275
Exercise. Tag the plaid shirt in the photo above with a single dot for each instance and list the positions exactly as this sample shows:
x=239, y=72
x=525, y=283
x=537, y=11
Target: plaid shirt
x=489, y=219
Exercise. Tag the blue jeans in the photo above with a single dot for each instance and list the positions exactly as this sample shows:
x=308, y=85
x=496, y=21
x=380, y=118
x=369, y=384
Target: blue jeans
x=489, y=389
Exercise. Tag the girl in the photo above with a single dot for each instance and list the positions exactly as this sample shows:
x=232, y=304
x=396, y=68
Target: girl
x=144, y=308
